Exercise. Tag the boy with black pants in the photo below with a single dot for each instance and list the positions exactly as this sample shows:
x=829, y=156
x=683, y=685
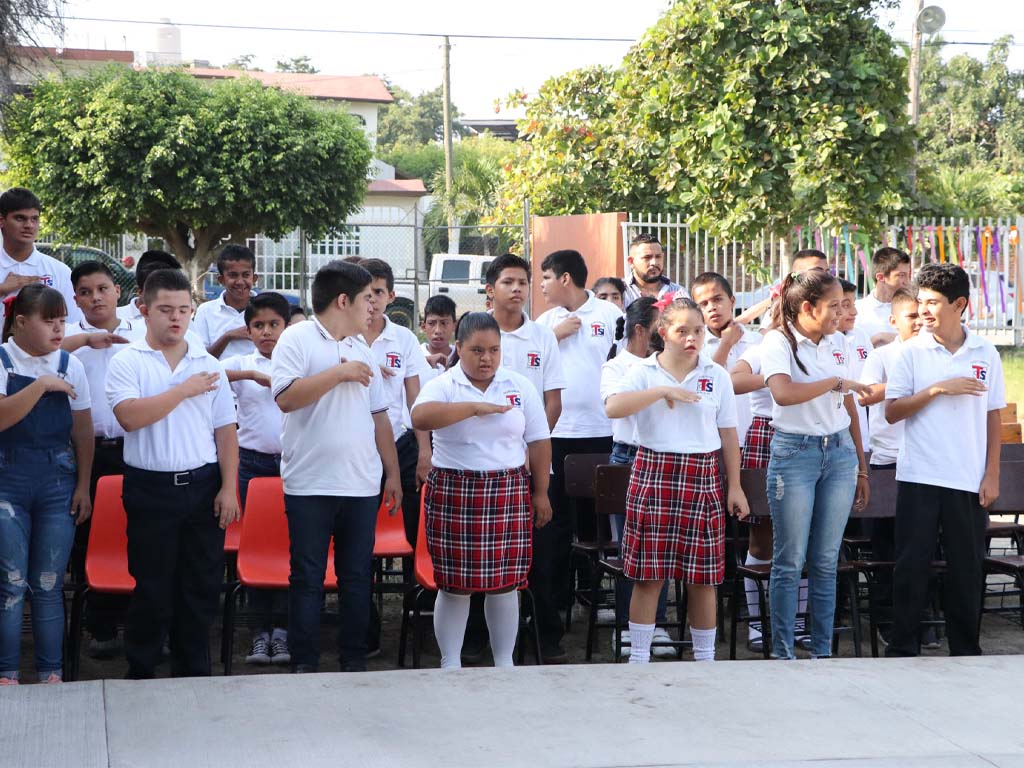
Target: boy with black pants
x=337, y=439
x=585, y=328
x=180, y=482
x=948, y=468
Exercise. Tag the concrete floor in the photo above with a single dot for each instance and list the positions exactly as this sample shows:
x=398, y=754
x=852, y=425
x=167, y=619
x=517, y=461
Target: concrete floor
x=938, y=712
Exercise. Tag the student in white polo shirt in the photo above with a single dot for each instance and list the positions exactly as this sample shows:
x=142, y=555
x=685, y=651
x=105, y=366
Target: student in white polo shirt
x=180, y=481
x=337, y=439
x=585, y=328
x=94, y=340
x=891, y=268
x=858, y=346
x=817, y=470
x=259, y=454
x=685, y=413
x=221, y=323
x=21, y=263
x=148, y=263
x=481, y=503
x=947, y=384
x=438, y=325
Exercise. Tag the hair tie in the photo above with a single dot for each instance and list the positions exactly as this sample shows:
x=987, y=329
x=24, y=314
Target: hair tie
x=8, y=301
x=665, y=301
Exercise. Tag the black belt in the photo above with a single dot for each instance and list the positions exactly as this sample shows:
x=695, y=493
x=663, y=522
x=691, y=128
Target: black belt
x=187, y=477
x=109, y=442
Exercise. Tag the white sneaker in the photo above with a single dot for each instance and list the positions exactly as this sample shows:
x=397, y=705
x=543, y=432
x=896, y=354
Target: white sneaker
x=664, y=651
x=259, y=652
x=624, y=649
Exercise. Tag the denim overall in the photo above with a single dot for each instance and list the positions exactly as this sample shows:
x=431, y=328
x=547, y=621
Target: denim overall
x=37, y=479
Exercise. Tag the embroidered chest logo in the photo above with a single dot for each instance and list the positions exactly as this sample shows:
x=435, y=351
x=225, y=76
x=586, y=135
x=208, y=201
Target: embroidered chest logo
x=393, y=360
x=840, y=358
x=46, y=280
x=862, y=353
x=533, y=359
x=705, y=385
x=513, y=399
x=597, y=329
x=979, y=371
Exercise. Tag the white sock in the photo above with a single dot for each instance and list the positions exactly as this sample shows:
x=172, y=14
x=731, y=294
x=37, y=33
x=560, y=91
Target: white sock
x=640, y=636
x=801, y=603
x=703, y=643
x=753, y=606
x=502, y=614
x=451, y=612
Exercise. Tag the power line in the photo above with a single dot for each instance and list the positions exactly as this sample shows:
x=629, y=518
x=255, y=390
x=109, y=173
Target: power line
x=354, y=31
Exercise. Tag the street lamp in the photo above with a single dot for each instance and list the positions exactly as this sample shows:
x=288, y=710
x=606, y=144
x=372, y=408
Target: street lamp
x=928, y=21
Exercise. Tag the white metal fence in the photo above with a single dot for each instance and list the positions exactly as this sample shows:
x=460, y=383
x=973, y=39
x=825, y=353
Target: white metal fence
x=988, y=249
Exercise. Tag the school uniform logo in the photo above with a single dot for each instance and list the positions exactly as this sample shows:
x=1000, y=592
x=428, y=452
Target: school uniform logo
x=839, y=357
x=514, y=399
x=862, y=353
x=705, y=385
x=393, y=360
x=979, y=370
x=46, y=280
x=533, y=359
x=597, y=329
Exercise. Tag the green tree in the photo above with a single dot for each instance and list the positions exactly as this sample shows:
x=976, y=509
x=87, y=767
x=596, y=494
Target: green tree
x=412, y=120
x=21, y=22
x=196, y=163
x=243, y=62
x=301, y=64
x=740, y=115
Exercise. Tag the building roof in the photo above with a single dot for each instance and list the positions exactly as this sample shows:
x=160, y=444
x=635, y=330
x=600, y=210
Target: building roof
x=502, y=129
x=330, y=87
x=73, y=54
x=409, y=187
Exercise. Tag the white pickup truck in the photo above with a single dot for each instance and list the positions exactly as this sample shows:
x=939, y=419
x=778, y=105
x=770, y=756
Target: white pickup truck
x=460, y=277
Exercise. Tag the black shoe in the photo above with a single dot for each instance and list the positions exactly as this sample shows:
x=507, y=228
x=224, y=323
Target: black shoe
x=354, y=666
x=373, y=653
x=554, y=654
x=303, y=669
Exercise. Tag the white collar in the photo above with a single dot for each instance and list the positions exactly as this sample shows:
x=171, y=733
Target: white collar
x=459, y=375
x=195, y=348
x=19, y=355
x=223, y=305
x=703, y=363
x=123, y=324
x=35, y=258
x=971, y=340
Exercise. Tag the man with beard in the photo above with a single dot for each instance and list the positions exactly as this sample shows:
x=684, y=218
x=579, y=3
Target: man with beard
x=647, y=265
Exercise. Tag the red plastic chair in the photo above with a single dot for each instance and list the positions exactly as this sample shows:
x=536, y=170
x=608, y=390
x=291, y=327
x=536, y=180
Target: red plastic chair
x=106, y=562
x=263, y=553
x=390, y=538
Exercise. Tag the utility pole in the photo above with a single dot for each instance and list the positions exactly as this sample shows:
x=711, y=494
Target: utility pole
x=915, y=65
x=446, y=90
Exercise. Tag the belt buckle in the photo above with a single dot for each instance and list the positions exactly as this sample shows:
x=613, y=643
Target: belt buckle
x=824, y=441
x=179, y=475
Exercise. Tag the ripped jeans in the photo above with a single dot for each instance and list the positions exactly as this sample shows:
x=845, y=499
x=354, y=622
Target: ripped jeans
x=36, y=534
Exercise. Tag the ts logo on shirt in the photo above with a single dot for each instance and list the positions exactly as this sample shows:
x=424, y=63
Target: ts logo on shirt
x=705, y=385
x=46, y=280
x=862, y=353
x=980, y=371
x=597, y=329
x=533, y=359
x=839, y=357
x=513, y=399
x=393, y=360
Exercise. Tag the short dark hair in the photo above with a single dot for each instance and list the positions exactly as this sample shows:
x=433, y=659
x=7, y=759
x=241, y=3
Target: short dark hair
x=615, y=282
x=165, y=280
x=807, y=253
x=335, y=278
x=296, y=310
x=948, y=279
x=706, y=278
x=904, y=296
x=569, y=261
x=886, y=259
x=87, y=268
x=150, y=262
x=379, y=269
x=847, y=286
x=18, y=199
x=645, y=238
x=506, y=261
x=440, y=306
x=268, y=300
x=235, y=252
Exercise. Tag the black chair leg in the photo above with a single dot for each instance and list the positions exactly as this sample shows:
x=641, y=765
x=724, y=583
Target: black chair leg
x=228, y=628
x=73, y=650
x=734, y=616
x=766, y=633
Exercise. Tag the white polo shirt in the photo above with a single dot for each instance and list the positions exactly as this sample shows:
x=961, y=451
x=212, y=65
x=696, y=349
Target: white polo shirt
x=55, y=274
x=486, y=443
x=183, y=439
x=858, y=347
x=431, y=373
x=398, y=350
x=873, y=316
x=749, y=339
x=761, y=403
x=328, y=447
x=42, y=365
x=886, y=438
x=945, y=443
x=532, y=351
x=259, y=418
x=215, y=318
x=825, y=414
x=583, y=354
x=130, y=311
x=688, y=427
x=96, y=362
x=613, y=377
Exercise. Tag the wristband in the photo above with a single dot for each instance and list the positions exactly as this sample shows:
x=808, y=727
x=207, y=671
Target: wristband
x=839, y=384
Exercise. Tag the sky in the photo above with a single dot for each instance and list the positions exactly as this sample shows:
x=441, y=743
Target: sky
x=482, y=70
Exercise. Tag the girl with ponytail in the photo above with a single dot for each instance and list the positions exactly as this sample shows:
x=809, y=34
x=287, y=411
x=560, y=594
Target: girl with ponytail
x=816, y=468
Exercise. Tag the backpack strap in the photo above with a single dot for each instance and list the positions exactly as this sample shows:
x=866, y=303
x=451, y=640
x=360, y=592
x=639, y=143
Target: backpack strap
x=6, y=360
x=62, y=366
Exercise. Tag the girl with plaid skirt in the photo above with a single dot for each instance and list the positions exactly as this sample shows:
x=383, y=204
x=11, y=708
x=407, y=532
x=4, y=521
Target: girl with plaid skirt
x=480, y=501
x=675, y=508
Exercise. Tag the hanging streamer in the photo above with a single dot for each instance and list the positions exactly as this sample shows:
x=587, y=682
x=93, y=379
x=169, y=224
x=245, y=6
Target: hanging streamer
x=931, y=245
x=849, y=257
x=908, y=234
x=960, y=259
x=981, y=266
x=999, y=271
x=942, y=246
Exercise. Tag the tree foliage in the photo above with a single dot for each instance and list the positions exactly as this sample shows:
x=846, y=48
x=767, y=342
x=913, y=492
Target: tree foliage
x=301, y=64
x=741, y=115
x=195, y=163
x=412, y=121
x=21, y=23
x=243, y=62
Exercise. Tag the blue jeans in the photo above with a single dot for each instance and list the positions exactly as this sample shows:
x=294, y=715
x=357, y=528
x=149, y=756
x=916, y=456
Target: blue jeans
x=36, y=534
x=255, y=464
x=312, y=521
x=624, y=453
x=811, y=485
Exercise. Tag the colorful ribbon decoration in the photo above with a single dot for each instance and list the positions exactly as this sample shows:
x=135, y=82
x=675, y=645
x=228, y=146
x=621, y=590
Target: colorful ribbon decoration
x=981, y=266
x=942, y=247
x=993, y=235
x=931, y=244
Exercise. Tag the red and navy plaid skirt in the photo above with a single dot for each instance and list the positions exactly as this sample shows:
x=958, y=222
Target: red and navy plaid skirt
x=675, y=518
x=757, y=448
x=479, y=528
